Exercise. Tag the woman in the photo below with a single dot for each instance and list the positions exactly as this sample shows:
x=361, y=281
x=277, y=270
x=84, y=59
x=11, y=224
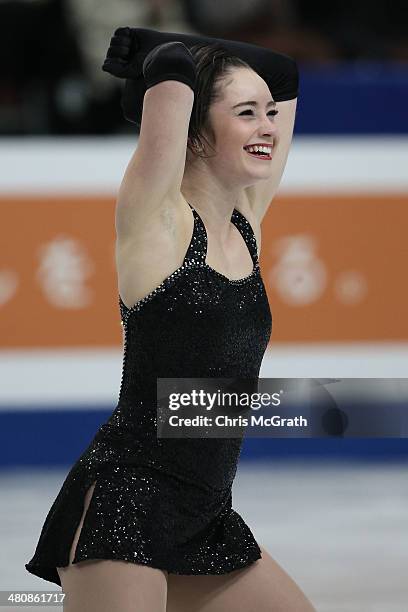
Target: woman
x=146, y=523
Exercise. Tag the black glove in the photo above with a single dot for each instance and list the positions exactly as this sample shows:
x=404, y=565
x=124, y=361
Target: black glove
x=130, y=46
x=170, y=61
x=122, y=59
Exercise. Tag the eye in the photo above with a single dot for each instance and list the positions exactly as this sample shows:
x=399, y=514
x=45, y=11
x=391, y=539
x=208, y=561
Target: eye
x=272, y=112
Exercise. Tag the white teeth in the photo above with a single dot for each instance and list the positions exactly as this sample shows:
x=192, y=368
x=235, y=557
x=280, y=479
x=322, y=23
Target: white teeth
x=259, y=149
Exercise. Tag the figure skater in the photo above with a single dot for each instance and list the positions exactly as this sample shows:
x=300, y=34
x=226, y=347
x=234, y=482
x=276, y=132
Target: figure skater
x=143, y=523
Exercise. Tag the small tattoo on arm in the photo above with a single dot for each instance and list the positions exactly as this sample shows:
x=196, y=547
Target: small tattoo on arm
x=168, y=221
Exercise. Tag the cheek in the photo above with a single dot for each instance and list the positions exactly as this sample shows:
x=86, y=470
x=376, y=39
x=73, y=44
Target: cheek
x=231, y=156
x=230, y=138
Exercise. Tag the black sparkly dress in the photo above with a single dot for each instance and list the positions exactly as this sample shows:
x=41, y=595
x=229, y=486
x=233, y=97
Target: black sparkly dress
x=167, y=502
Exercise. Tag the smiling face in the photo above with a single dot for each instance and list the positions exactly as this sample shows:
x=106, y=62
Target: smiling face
x=243, y=116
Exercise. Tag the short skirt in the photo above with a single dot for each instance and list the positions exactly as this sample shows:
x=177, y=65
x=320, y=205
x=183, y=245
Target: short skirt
x=144, y=515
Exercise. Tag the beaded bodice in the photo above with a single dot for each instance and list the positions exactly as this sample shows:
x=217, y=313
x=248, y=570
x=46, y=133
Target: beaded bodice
x=197, y=322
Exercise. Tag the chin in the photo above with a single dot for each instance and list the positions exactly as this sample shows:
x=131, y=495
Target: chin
x=261, y=176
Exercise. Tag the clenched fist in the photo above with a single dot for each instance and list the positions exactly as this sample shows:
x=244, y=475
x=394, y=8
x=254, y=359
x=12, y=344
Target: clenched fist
x=122, y=59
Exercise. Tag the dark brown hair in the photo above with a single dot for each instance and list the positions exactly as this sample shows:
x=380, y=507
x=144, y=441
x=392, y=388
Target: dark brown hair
x=213, y=63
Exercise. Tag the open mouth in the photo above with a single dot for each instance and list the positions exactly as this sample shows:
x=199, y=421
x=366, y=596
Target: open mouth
x=259, y=154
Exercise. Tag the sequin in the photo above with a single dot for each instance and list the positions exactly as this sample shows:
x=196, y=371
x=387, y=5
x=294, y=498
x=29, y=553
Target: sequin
x=167, y=503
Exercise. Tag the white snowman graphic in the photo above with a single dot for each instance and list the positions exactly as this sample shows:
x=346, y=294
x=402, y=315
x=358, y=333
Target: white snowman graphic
x=299, y=276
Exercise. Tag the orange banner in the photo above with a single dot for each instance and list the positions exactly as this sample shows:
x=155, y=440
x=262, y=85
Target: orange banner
x=334, y=268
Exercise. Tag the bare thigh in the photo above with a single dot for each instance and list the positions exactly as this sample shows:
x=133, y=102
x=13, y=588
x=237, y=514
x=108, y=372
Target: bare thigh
x=110, y=584
x=262, y=586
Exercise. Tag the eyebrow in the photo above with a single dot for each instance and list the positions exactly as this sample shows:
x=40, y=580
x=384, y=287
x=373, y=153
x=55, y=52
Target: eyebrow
x=253, y=103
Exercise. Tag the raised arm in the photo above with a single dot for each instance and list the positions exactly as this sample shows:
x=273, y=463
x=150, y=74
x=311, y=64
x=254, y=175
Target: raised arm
x=156, y=168
x=155, y=171
x=279, y=71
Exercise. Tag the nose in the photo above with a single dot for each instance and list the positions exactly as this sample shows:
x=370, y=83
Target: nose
x=267, y=128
